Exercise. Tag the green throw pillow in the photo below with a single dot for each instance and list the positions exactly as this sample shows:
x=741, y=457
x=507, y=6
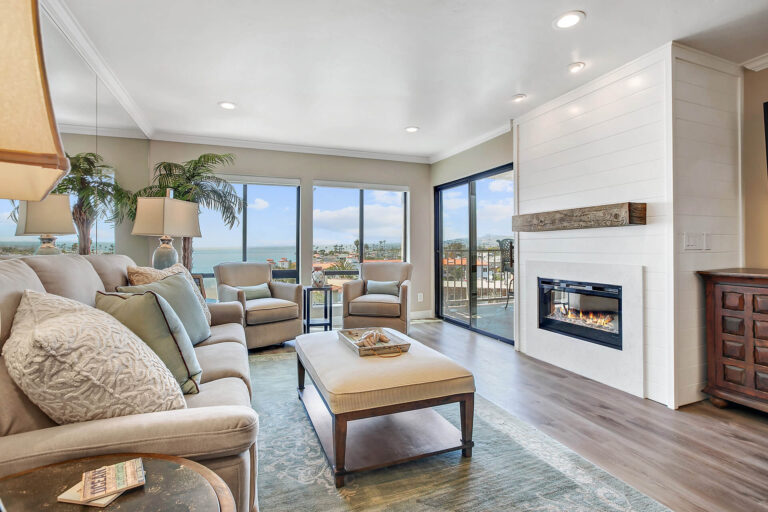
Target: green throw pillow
x=260, y=291
x=180, y=295
x=383, y=287
x=152, y=319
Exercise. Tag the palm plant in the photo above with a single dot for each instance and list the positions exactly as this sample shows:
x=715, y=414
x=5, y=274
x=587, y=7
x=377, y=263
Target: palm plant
x=98, y=195
x=195, y=181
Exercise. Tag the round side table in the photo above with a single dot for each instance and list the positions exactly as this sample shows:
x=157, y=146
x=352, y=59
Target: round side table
x=172, y=484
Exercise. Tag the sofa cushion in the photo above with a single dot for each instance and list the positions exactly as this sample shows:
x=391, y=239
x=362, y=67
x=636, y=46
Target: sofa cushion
x=119, y=375
x=265, y=311
x=15, y=277
x=224, y=360
x=179, y=293
x=225, y=333
x=226, y=391
x=18, y=414
x=146, y=275
x=152, y=319
x=382, y=287
x=375, y=304
x=112, y=269
x=68, y=275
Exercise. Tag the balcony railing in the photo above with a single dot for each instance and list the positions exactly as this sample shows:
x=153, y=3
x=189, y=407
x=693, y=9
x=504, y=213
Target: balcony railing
x=492, y=280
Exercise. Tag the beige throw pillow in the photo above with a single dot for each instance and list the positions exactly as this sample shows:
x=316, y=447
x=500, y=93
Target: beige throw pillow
x=78, y=363
x=146, y=275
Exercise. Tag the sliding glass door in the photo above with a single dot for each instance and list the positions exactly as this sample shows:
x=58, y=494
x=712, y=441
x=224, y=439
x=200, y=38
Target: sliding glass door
x=475, y=252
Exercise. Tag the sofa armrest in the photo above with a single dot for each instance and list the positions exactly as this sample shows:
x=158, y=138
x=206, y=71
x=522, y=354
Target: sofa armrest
x=349, y=292
x=226, y=313
x=200, y=433
x=288, y=291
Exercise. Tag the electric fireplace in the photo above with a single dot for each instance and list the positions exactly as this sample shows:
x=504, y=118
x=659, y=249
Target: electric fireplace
x=587, y=311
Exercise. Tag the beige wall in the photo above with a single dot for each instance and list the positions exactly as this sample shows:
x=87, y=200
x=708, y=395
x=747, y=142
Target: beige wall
x=754, y=170
x=489, y=154
x=309, y=168
x=129, y=157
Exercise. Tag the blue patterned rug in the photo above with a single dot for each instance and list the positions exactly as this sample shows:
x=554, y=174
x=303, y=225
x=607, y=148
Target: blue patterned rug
x=513, y=465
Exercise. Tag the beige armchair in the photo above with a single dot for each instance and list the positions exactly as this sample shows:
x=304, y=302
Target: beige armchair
x=378, y=310
x=267, y=321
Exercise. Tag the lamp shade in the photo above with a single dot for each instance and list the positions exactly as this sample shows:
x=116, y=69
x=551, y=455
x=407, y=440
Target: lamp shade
x=51, y=216
x=32, y=160
x=158, y=216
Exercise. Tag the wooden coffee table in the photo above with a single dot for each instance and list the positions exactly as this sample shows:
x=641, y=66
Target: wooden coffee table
x=171, y=482
x=361, y=426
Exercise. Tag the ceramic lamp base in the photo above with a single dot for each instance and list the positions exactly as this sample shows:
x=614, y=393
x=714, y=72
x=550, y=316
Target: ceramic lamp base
x=47, y=246
x=165, y=255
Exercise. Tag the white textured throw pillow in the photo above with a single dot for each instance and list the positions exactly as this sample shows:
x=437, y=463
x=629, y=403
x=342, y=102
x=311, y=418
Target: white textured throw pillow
x=78, y=363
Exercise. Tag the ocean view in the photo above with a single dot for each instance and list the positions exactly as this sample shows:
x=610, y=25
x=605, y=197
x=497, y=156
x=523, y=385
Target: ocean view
x=204, y=259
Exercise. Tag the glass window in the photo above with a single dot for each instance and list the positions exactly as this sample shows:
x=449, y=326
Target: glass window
x=271, y=226
x=383, y=225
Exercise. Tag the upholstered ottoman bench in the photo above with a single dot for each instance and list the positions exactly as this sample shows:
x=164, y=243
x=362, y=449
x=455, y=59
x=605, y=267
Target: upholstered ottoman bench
x=371, y=412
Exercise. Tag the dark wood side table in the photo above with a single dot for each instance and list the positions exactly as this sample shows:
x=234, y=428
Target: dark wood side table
x=737, y=336
x=327, y=321
x=172, y=483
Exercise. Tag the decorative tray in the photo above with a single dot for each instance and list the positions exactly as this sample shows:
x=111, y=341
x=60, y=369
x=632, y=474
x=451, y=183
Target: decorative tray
x=353, y=338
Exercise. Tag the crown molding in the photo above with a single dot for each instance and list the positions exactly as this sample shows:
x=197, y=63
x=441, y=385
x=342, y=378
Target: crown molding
x=63, y=18
x=759, y=63
x=101, y=131
x=442, y=155
x=290, y=148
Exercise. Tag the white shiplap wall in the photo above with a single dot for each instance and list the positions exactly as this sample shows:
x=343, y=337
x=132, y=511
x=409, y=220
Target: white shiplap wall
x=605, y=142
x=707, y=107
x=662, y=130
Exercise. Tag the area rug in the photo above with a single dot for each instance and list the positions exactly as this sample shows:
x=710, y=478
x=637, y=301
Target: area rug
x=513, y=466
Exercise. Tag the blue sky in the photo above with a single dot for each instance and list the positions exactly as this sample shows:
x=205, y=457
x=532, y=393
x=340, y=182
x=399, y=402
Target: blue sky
x=336, y=216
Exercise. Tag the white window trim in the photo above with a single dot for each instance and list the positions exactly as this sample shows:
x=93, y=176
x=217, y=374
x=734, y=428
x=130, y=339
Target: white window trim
x=246, y=179
x=357, y=186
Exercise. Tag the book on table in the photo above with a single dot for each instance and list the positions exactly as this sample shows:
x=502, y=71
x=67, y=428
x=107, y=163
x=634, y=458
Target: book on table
x=101, y=486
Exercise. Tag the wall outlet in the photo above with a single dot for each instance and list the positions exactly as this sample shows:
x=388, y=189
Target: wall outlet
x=697, y=241
x=420, y=297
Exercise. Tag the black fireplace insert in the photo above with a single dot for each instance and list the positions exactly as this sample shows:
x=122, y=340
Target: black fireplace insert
x=587, y=311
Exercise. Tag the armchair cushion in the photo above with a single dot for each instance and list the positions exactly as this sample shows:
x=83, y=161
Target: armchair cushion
x=382, y=287
x=375, y=305
x=259, y=291
x=199, y=433
x=265, y=311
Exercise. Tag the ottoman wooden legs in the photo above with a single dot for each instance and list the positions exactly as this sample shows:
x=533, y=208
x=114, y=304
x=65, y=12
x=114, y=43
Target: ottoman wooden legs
x=467, y=407
x=339, y=449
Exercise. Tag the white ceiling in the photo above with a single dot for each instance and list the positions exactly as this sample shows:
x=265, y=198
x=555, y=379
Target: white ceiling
x=353, y=74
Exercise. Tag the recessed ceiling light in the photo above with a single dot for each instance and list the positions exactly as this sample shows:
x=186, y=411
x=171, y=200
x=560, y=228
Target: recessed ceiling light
x=412, y=129
x=517, y=98
x=569, y=19
x=575, y=67
x=227, y=105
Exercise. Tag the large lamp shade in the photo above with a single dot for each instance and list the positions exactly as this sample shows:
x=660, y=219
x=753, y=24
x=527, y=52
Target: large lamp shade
x=51, y=216
x=159, y=216
x=32, y=160
x=165, y=217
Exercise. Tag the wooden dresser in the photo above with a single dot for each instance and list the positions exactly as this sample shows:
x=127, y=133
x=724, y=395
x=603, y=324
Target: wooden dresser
x=737, y=336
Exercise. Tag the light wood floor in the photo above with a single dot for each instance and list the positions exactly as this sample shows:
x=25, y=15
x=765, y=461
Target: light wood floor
x=698, y=458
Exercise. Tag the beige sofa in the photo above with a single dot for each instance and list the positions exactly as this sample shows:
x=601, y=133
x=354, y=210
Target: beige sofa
x=267, y=321
x=376, y=310
x=218, y=428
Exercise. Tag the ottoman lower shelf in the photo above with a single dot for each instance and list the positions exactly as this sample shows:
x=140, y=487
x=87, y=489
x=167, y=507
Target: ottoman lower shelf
x=383, y=441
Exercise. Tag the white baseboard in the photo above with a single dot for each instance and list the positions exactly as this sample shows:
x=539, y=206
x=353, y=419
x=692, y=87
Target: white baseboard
x=421, y=315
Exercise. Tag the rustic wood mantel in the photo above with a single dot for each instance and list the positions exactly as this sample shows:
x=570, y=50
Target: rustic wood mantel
x=605, y=216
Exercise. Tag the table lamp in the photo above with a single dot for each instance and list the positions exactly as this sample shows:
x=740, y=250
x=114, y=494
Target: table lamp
x=32, y=160
x=47, y=218
x=166, y=217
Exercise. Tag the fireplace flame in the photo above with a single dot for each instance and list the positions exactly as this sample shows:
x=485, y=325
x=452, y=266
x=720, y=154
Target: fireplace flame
x=589, y=318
